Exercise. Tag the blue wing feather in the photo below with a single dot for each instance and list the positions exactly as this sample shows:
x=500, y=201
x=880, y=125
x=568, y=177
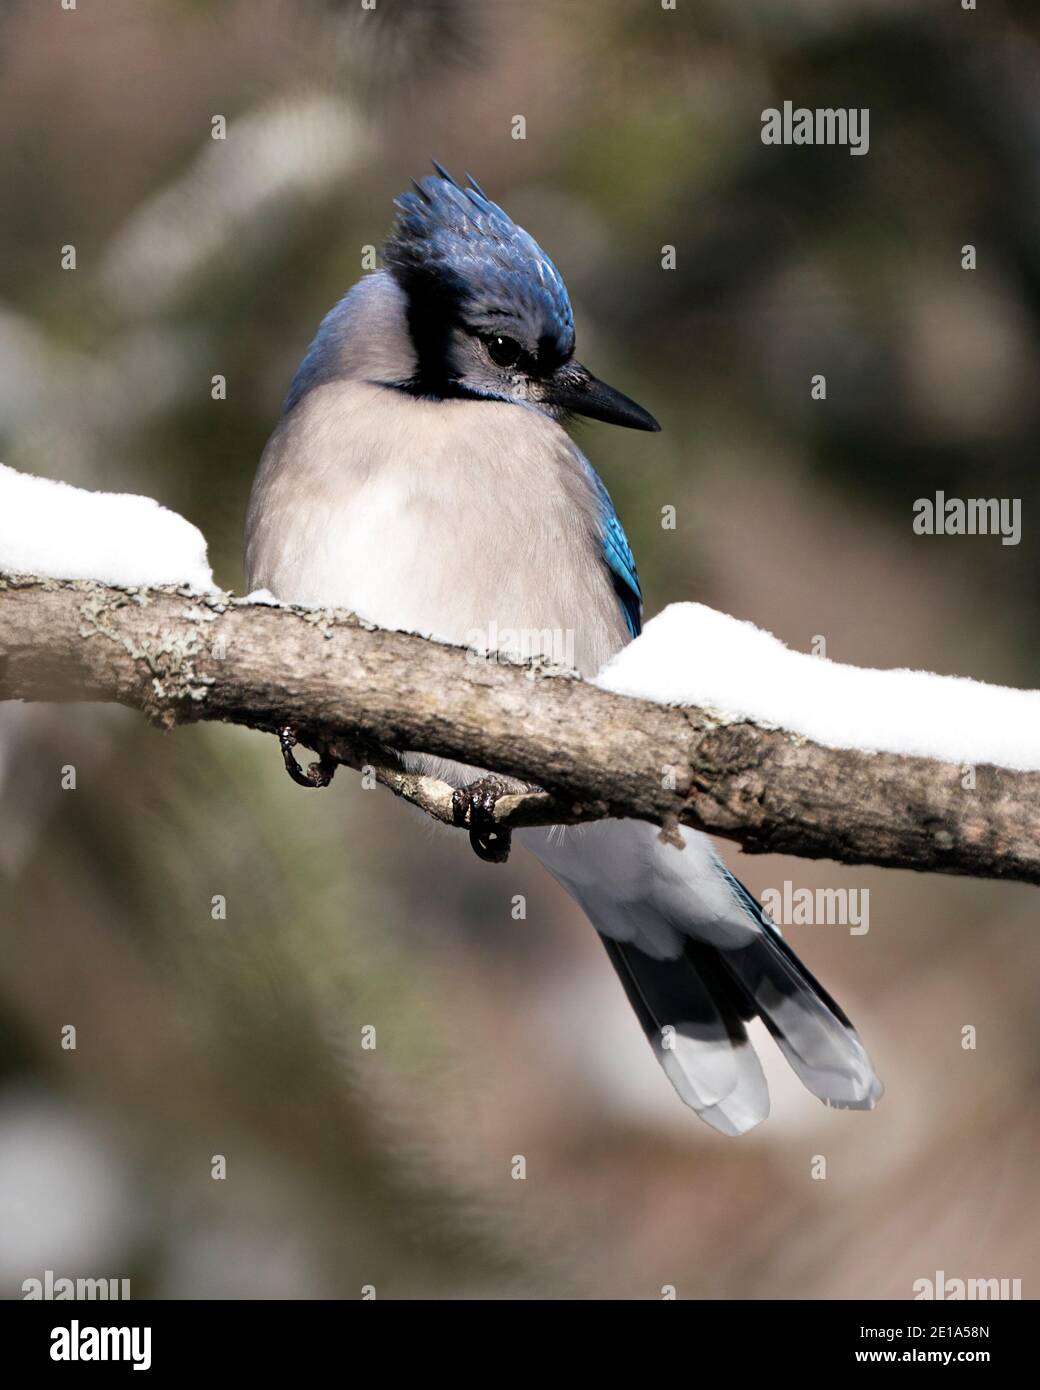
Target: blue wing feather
x=618, y=557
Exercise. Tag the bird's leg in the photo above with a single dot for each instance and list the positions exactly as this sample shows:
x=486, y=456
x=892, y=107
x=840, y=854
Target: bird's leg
x=318, y=774
x=490, y=842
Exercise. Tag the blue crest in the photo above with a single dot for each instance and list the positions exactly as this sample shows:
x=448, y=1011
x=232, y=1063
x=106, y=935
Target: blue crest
x=454, y=246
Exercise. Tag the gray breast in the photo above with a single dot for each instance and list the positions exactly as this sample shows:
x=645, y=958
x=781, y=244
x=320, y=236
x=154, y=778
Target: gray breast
x=473, y=522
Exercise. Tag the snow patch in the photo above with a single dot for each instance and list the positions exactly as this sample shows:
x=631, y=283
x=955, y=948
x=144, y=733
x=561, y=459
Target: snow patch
x=58, y=531
x=693, y=655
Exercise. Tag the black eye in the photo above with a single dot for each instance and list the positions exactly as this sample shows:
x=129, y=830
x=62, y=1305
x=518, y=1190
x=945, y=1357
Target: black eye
x=503, y=351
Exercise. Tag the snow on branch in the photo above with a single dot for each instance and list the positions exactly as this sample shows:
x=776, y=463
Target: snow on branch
x=577, y=752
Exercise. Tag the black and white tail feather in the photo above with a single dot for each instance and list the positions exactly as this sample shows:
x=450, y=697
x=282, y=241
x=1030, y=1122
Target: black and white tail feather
x=699, y=960
x=694, y=1010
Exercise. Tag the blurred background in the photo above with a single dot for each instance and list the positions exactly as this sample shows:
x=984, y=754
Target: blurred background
x=497, y=1037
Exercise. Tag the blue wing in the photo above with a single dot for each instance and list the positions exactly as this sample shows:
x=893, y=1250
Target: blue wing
x=618, y=557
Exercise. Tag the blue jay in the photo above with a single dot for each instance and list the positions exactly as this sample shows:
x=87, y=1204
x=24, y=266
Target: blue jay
x=424, y=431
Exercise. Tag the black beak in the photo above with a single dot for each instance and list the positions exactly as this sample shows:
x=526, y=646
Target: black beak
x=574, y=389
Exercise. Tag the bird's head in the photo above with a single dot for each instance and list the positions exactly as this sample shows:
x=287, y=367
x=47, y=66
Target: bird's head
x=488, y=314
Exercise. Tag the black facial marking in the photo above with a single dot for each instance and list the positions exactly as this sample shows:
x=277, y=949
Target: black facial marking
x=433, y=308
x=550, y=354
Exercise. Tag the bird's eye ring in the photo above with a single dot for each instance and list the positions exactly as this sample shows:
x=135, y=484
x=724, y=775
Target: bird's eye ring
x=504, y=352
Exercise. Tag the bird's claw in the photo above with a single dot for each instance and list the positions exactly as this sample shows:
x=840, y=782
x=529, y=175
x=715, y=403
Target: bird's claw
x=317, y=774
x=475, y=803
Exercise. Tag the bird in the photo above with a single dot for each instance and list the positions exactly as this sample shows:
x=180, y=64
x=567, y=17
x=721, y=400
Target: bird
x=422, y=474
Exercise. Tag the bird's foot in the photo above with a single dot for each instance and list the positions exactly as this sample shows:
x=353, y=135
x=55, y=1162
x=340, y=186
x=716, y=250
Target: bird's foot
x=317, y=774
x=477, y=801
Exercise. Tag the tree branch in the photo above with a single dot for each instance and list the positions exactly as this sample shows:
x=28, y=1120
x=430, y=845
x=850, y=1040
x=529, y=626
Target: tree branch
x=577, y=753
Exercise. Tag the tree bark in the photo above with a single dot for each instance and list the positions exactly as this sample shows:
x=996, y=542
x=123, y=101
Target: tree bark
x=577, y=753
